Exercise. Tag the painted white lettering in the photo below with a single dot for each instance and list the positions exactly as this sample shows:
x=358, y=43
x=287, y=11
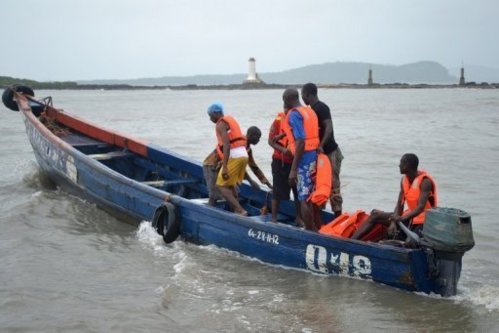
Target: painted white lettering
x=362, y=265
x=315, y=258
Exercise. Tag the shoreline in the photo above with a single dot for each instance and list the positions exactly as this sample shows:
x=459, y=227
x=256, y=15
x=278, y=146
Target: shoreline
x=260, y=86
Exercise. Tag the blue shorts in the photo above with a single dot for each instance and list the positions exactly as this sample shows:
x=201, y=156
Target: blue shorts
x=306, y=169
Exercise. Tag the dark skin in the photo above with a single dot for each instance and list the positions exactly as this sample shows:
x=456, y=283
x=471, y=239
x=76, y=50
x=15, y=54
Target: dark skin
x=228, y=192
x=326, y=124
x=291, y=101
x=274, y=143
x=390, y=220
x=252, y=138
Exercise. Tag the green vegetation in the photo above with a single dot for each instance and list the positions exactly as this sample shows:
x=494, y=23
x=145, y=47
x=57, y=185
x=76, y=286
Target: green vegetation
x=6, y=81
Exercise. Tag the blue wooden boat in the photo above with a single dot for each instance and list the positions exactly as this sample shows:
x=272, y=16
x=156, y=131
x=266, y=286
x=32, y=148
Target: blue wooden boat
x=139, y=181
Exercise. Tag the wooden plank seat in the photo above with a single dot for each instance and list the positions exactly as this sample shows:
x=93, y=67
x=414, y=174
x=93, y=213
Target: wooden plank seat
x=164, y=183
x=111, y=155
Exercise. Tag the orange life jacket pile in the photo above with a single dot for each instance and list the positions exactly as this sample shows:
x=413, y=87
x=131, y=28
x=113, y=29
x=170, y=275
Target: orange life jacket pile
x=346, y=224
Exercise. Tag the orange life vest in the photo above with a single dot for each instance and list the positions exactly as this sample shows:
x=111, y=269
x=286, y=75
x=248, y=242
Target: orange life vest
x=275, y=130
x=345, y=224
x=281, y=116
x=323, y=180
x=412, y=192
x=310, y=126
x=236, y=137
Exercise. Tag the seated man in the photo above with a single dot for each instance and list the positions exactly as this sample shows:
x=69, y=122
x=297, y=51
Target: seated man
x=417, y=189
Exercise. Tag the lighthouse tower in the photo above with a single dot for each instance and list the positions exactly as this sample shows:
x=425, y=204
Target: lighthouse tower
x=462, y=82
x=252, y=75
x=370, y=78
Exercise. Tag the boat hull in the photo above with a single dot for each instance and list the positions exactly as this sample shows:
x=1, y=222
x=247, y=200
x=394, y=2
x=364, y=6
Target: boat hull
x=274, y=243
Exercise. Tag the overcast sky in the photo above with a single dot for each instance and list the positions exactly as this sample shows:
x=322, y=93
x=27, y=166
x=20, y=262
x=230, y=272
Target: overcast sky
x=119, y=39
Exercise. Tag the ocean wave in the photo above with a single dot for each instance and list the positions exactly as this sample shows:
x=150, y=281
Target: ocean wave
x=485, y=295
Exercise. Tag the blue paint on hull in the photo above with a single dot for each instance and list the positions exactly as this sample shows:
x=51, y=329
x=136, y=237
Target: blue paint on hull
x=275, y=243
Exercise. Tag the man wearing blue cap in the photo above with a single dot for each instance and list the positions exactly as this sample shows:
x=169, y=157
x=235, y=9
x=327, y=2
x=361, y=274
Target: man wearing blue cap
x=231, y=150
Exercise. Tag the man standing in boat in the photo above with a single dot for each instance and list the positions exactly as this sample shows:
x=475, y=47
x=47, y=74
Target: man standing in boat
x=328, y=144
x=418, y=192
x=231, y=150
x=302, y=133
x=282, y=159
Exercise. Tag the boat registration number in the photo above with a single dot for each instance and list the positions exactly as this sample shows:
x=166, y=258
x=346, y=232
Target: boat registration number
x=321, y=260
x=264, y=236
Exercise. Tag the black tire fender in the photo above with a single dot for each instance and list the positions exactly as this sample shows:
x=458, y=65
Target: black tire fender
x=166, y=221
x=8, y=95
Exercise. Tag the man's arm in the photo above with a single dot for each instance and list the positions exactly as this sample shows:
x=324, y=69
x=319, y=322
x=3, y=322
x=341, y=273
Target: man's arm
x=399, y=207
x=256, y=170
x=274, y=144
x=274, y=137
x=293, y=174
x=298, y=132
x=425, y=188
x=327, y=124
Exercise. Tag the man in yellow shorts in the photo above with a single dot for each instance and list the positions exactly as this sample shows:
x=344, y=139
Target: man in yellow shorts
x=231, y=150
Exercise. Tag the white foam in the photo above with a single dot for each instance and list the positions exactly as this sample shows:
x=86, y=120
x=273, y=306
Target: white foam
x=146, y=234
x=36, y=194
x=180, y=266
x=487, y=296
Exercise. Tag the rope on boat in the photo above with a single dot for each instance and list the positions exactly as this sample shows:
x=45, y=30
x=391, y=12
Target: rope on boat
x=52, y=126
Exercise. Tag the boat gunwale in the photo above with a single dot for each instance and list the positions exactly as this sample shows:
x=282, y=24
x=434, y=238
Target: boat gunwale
x=248, y=222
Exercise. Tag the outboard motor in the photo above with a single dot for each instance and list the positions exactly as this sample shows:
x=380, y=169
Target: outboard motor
x=448, y=233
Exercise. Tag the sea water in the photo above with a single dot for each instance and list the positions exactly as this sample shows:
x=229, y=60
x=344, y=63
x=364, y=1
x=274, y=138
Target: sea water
x=66, y=265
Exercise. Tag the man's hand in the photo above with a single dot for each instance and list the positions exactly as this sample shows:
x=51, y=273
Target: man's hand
x=225, y=172
x=278, y=137
x=392, y=229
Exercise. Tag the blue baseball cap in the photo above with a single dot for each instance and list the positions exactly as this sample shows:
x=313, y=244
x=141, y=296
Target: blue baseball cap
x=216, y=107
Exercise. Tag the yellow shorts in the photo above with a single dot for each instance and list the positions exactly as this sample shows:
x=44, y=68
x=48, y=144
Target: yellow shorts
x=237, y=169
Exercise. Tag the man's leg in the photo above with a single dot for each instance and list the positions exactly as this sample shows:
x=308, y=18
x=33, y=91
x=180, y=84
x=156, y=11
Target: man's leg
x=317, y=215
x=227, y=187
x=275, y=209
x=228, y=194
x=376, y=217
x=336, y=199
x=210, y=176
x=307, y=215
x=299, y=218
x=305, y=187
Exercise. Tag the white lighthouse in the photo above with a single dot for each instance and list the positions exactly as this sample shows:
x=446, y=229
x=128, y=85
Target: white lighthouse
x=252, y=75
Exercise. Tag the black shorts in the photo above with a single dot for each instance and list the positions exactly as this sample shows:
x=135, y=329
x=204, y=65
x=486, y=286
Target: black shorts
x=280, y=180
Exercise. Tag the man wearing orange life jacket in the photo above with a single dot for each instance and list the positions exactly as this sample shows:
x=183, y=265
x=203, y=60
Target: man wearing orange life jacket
x=418, y=191
x=302, y=132
x=231, y=150
x=282, y=159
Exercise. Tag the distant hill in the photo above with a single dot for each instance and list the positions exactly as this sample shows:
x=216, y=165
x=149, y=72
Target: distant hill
x=327, y=73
